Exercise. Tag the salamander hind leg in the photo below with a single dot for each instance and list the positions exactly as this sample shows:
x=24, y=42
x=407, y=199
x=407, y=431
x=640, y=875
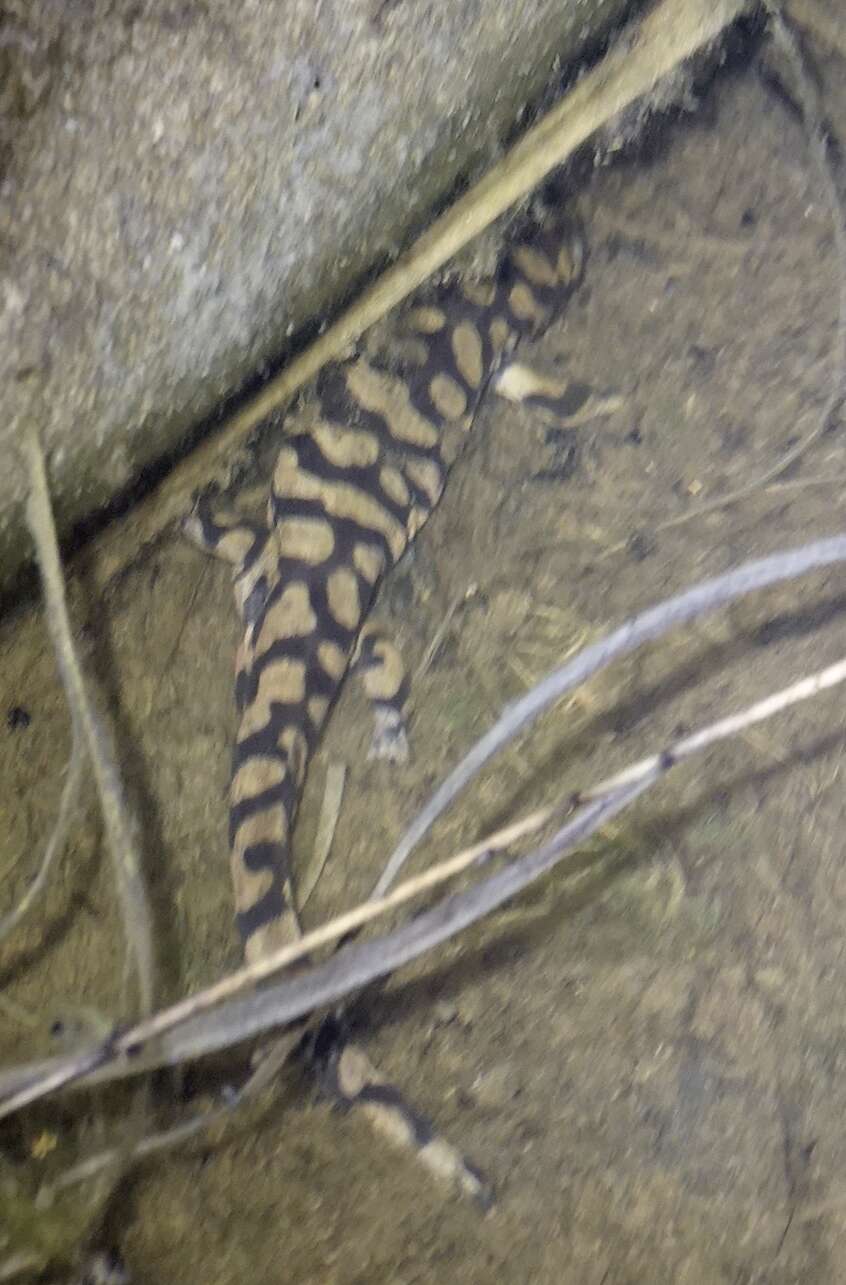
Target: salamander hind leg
x=379, y=663
x=567, y=403
x=540, y=276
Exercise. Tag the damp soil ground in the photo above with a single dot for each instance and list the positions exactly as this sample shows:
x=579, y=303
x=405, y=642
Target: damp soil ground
x=646, y=1057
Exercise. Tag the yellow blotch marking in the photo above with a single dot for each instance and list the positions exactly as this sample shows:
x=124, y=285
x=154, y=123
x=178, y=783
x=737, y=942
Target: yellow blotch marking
x=467, y=351
x=442, y=1159
x=342, y=596
x=569, y=261
x=346, y=447
x=292, y=740
x=332, y=658
x=500, y=332
x=286, y=458
x=388, y=396
x=390, y=1120
x=518, y=382
x=248, y=886
x=281, y=680
x=426, y=320
x=447, y=396
x=254, y=718
x=318, y=707
x=258, y=774
x=416, y=518
x=234, y=545
x=428, y=475
x=230, y=539
x=383, y=680
x=280, y=932
x=479, y=293
x=524, y=305
x=340, y=500
x=393, y=484
x=269, y=826
x=306, y=539
x=369, y=561
x=535, y=266
x=355, y=1070
x=291, y=616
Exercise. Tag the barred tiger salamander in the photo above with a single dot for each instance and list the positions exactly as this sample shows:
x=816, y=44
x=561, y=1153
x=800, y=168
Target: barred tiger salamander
x=347, y=496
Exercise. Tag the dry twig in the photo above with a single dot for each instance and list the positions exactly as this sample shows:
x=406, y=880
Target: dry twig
x=330, y=810
x=68, y=805
x=97, y=738
x=159, y=1041
x=651, y=624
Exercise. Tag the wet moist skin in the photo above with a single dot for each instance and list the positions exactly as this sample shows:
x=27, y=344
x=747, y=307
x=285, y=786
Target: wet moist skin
x=347, y=496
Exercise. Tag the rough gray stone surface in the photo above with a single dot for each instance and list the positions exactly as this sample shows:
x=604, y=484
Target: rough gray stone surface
x=183, y=185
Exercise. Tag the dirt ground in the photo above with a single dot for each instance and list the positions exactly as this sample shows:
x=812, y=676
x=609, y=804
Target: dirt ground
x=648, y=1059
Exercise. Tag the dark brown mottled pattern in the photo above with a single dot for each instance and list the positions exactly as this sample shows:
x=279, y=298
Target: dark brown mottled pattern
x=347, y=496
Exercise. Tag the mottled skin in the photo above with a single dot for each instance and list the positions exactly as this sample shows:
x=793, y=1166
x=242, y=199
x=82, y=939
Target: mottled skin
x=348, y=495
